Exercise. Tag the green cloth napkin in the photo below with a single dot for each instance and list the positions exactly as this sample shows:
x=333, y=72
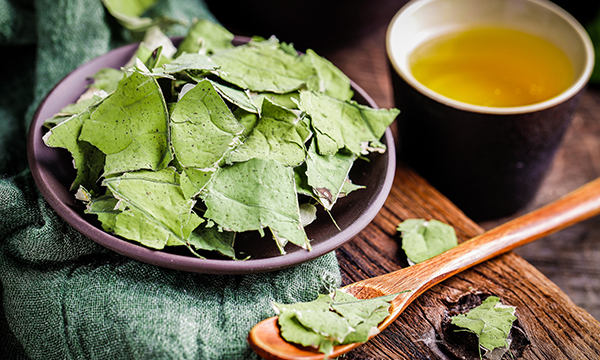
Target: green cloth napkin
x=64, y=296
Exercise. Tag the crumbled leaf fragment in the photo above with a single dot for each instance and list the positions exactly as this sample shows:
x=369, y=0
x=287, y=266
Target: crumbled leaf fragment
x=491, y=322
x=211, y=239
x=423, y=239
x=105, y=208
x=196, y=63
x=236, y=97
x=131, y=127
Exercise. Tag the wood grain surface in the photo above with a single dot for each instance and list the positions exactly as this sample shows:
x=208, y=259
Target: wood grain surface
x=554, y=282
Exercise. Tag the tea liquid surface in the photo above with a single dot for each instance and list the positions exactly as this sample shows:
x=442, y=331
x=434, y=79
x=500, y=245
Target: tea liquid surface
x=493, y=67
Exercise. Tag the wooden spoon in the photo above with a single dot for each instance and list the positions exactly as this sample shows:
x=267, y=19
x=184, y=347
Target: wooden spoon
x=576, y=206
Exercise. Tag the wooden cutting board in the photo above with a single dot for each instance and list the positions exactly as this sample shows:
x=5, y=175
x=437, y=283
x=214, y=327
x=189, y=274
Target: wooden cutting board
x=549, y=325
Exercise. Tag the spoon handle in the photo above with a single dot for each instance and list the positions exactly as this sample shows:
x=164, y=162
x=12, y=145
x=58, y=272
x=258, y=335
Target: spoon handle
x=574, y=207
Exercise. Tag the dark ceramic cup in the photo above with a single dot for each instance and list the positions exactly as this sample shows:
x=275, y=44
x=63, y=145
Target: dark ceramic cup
x=489, y=161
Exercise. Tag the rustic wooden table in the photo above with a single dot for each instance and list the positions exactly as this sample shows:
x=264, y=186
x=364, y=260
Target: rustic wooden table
x=554, y=282
x=569, y=258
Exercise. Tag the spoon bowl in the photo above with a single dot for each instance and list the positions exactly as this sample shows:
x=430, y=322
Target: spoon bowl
x=574, y=207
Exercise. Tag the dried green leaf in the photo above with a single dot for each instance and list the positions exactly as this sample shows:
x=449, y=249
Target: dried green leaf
x=302, y=186
x=193, y=181
x=491, y=322
x=279, y=135
x=308, y=214
x=131, y=127
x=129, y=15
x=131, y=7
x=349, y=187
x=105, y=208
x=321, y=303
x=203, y=129
x=262, y=69
x=107, y=79
x=255, y=194
x=128, y=12
x=68, y=111
x=327, y=174
x=293, y=331
x=340, y=124
x=247, y=119
x=422, y=239
x=236, y=97
x=205, y=37
x=329, y=79
x=197, y=63
x=211, y=239
x=272, y=43
x=87, y=159
x=362, y=315
x=155, y=212
x=154, y=39
x=288, y=100
x=327, y=321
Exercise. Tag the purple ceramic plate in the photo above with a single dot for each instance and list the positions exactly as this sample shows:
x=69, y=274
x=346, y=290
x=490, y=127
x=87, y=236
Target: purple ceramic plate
x=53, y=173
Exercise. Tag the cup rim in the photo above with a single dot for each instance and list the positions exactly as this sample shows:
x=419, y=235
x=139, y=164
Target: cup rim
x=577, y=85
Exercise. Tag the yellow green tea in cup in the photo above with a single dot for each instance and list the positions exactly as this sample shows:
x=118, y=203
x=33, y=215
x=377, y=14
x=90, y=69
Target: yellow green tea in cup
x=492, y=66
x=486, y=90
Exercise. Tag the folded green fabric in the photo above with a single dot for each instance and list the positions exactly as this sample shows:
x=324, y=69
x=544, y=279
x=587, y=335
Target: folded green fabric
x=64, y=296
